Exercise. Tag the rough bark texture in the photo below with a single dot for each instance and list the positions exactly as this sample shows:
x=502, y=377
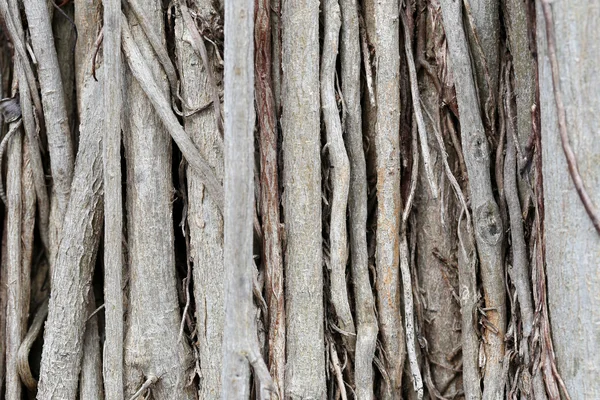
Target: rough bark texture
x=366, y=321
x=305, y=369
x=113, y=206
x=339, y=176
x=90, y=380
x=64, y=41
x=55, y=112
x=572, y=244
x=27, y=240
x=486, y=215
x=204, y=218
x=75, y=259
x=389, y=201
x=436, y=240
x=153, y=313
x=376, y=150
x=17, y=303
x=486, y=17
x=519, y=34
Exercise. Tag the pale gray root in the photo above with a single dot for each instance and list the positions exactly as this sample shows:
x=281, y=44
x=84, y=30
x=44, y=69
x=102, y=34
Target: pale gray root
x=55, y=112
x=17, y=299
x=3, y=257
x=3, y=295
x=389, y=201
x=269, y=191
x=27, y=238
x=12, y=131
x=153, y=313
x=90, y=380
x=152, y=379
x=263, y=383
x=366, y=321
x=15, y=32
x=238, y=213
x=158, y=99
x=516, y=19
x=112, y=362
x=88, y=21
x=434, y=237
x=409, y=317
x=337, y=371
x=204, y=218
x=30, y=123
x=300, y=122
x=75, y=258
x=198, y=45
x=64, y=41
x=23, y=357
x=572, y=244
x=486, y=215
x=520, y=273
x=155, y=41
x=414, y=91
x=35, y=159
x=339, y=175
x=520, y=267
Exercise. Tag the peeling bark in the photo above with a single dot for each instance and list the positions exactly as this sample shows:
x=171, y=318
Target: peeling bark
x=436, y=236
x=269, y=193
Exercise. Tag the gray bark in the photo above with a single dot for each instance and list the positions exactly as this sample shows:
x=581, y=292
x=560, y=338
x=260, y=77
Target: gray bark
x=389, y=201
x=27, y=241
x=153, y=313
x=486, y=17
x=158, y=98
x=366, y=321
x=113, y=205
x=269, y=192
x=3, y=295
x=239, y=197
x=75, y=259
x=90, y=380
x=519, y=32
x=339, y=176
x=17, y=301
x=436, y=234
x=305, y=370
x=486, y=215
x=64, y=40
x=572, y=244
x=204, y=218
x=55, y=112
